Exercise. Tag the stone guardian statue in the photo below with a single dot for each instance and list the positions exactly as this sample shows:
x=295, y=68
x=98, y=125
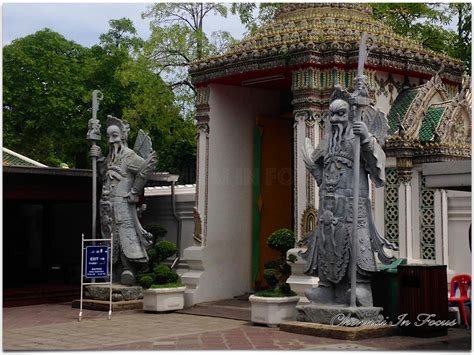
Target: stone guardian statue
x=331, y=164
x=124, y=173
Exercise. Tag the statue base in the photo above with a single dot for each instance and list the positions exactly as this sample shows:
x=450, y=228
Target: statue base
x=96, y=297
x=339, y=321
x=104, y=306
x=340, y=315
x=119, y=292
x=338, y=332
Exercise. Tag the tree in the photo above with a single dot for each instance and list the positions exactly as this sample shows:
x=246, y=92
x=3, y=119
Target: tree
x=178, y=38
x=251, y=16
x=45, y=116
x=151, y=107
x=463, y=43
x=48, y=82
x=422, y=22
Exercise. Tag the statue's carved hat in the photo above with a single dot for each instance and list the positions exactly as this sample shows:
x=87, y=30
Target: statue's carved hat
x=123, y=125
x=340, y=93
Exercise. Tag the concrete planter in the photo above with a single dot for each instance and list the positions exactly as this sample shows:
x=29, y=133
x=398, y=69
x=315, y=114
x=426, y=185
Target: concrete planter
x=273, y=310
x=163, y=299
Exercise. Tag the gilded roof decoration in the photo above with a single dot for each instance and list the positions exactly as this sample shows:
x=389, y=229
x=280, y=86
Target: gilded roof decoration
x=324, y=33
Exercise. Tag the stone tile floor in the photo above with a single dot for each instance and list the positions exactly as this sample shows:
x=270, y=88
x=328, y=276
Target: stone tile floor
x=55, y=327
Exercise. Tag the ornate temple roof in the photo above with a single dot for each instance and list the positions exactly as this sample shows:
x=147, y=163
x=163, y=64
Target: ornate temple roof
x=426, y=124
x=324, y=34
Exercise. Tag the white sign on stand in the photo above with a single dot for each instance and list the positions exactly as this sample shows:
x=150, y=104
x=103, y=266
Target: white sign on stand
x=96, y=262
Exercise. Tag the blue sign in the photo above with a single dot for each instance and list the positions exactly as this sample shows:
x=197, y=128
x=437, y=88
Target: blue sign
x=97, y=261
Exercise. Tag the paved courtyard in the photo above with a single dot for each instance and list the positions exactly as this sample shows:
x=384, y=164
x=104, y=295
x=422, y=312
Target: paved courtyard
x=55, y=327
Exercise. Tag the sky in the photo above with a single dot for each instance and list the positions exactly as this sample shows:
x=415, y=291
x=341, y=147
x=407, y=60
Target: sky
x=83, y=23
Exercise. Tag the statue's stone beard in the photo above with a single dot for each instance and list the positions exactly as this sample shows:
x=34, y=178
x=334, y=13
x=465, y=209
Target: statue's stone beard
x=339, y=133
x=115, y=151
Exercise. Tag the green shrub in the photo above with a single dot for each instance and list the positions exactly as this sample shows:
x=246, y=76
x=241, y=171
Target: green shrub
x=276, y=272
x=164, y=249
x=271, y=264
x=145, y=281
x=157, y=230
x=285, y=289
x=271, y=276
x=161, y=275
x=281, y=240
x=151, y=253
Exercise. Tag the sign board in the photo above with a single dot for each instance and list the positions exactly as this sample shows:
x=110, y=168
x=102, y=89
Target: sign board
x=96, y=261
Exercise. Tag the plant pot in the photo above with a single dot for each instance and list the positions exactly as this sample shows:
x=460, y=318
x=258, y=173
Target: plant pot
x=273, y=310
x=163, y=299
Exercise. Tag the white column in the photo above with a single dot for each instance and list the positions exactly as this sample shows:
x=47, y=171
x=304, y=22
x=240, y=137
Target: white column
x=202, y=118
x=300, y=171
x=441, y=227
x=415, y=194
x=405, y=221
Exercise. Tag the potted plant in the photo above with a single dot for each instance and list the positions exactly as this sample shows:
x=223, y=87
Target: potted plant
x=277, y=304
x=163, y=290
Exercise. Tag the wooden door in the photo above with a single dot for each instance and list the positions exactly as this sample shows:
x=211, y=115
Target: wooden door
x=273, y=197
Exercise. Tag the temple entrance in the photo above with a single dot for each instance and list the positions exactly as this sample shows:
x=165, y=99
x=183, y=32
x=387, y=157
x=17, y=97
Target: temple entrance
x=273, y=187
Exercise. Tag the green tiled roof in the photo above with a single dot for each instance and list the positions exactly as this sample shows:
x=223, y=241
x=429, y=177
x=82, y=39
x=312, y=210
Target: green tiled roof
x=431, y=119
x=400, y=106
x=11, y=158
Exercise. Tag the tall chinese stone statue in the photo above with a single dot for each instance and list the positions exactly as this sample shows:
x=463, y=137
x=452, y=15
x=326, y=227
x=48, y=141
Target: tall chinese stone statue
x=331, y=164
x=330, y=251
x=124, y=173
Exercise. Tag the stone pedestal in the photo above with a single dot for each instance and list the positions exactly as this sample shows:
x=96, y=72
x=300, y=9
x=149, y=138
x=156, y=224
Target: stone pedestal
x=119, y=292
x=340, y=315
x=96, y=297
x=340, y=322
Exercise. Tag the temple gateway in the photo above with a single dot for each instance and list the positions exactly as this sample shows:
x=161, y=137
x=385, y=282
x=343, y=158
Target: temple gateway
x=258, y=102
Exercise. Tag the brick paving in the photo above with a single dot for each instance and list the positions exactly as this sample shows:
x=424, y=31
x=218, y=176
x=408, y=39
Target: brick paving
x=55, y=327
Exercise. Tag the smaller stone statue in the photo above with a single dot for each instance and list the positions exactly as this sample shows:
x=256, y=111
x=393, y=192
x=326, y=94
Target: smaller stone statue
x=124, y=173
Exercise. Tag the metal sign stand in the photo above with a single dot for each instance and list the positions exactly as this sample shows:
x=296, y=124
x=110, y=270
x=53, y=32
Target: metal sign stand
x=85, y=274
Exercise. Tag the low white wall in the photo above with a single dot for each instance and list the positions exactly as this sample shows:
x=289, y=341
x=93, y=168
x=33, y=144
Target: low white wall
x=224, y=266
x=159, y=210
x=459, y=219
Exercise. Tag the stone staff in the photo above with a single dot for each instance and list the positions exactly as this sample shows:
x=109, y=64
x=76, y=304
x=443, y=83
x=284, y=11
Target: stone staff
x=359, y=101
x=93, y=135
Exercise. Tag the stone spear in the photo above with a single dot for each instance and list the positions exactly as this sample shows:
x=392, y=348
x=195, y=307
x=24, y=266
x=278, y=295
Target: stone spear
x=93, y=135
x=359, y=100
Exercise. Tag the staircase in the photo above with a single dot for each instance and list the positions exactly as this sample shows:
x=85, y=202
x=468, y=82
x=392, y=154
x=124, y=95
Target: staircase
x=236, y=308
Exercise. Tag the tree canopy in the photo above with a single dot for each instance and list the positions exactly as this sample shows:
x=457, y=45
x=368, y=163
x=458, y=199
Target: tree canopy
x=178, y=38
x=48, y=82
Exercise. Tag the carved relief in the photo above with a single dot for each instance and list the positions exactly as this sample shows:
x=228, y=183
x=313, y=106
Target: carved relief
x=308, y=221
x=387, y=87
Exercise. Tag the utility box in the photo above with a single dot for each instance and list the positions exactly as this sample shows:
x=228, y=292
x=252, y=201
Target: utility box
x=423, y=296
x=385, y=290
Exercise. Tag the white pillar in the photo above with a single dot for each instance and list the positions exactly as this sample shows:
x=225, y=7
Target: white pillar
x=299, y=172
x=405, y=221
x=202, y=181
x=441, y=227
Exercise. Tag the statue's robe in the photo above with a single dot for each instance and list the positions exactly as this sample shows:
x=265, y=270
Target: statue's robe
x=117, y=215
x=329, y=249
